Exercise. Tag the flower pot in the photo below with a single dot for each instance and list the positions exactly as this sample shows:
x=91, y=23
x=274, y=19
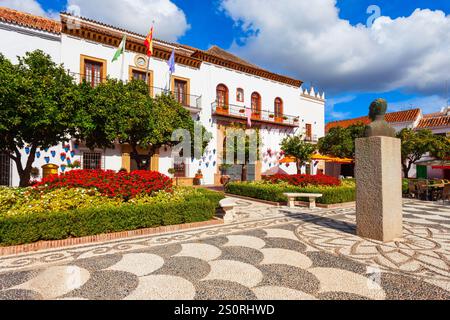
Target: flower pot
x=225, y=179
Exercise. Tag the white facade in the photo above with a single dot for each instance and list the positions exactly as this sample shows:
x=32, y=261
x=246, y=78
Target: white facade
x=67, y=49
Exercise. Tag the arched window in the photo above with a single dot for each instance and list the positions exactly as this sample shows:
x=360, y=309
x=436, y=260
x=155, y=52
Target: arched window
x=278, y=108
x=240, y=95
x=222, y=96
x=256, y=104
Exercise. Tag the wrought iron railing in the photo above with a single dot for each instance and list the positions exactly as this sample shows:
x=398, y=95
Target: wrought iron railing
x=191, y=101
x=257, y=115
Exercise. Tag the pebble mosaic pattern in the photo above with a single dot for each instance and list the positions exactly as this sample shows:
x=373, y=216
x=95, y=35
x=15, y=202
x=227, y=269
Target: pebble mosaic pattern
x=279, y=254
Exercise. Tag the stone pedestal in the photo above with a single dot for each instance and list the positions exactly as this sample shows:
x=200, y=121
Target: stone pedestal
x=378, y=188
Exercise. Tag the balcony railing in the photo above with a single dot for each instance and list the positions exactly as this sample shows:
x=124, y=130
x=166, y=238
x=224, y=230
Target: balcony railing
x=239, y=112
x=189, y=101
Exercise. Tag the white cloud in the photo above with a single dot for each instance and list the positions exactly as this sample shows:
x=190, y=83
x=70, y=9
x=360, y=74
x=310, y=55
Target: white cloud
x=137, y=15
x=29, y=6
x=330, y=107
x=308, y=40
x=429, y=104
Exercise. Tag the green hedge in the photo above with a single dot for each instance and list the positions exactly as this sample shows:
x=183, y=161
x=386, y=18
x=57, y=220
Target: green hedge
x=20, y=229
x=274, y=192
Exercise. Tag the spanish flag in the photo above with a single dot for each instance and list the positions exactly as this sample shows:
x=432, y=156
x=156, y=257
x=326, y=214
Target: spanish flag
x=149, y=43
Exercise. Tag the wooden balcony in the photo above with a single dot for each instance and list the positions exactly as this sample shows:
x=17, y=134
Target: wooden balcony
x=235, y=112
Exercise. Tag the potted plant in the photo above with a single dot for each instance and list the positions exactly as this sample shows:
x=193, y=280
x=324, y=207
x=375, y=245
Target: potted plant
x=171, y=171
x=35, y=173
x=198, y=178
x=296, y=120
x=224, y=178
x=199, y=174
x=271, y=116
x=285, y=118
x=242, y=110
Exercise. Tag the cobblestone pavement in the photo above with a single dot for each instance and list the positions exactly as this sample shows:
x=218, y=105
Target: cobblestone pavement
x=270, y=253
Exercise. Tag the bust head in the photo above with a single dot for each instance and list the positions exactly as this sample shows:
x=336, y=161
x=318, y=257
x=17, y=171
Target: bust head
x=377, y=108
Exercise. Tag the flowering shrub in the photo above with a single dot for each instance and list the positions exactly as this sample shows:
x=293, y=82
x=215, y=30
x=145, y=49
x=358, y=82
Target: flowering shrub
x=109, y=183
x=303, y=180
x=29, y=201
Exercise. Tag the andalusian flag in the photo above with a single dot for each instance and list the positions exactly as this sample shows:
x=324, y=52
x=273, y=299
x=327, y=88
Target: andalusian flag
x=149, y=43
x=121, y=49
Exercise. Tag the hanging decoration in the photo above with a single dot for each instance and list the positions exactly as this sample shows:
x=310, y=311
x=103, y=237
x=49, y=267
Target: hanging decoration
x=38, y=154
x=53, y=153
x=47, y=160
x=69, y=161
x=46, y=149
x=63, y=167
x=72, y=153
x=27, y=150
x=63, y=156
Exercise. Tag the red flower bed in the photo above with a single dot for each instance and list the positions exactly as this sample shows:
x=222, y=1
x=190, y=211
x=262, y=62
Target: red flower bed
x=304, y=179
x=109, y=183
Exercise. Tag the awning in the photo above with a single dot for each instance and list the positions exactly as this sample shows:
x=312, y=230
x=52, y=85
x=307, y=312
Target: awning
x=319, y=157
x=441, y=167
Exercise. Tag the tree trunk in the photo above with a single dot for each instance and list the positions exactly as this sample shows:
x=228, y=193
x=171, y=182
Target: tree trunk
x=244, y=172
x=299, y=167
x=406, y=169
x=24, y=173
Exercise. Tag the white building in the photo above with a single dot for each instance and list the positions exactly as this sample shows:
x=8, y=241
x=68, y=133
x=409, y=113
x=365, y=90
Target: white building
x=203, y=82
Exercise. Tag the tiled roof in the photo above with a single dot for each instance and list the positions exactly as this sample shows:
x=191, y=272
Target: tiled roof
x=436, y=122
x=219, y=52
x=400, y=116
x=30, y=21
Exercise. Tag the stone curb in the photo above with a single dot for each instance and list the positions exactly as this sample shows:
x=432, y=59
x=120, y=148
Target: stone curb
x=44, y=245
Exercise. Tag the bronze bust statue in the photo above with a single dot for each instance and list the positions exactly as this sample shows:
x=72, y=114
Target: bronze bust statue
x=379, y=126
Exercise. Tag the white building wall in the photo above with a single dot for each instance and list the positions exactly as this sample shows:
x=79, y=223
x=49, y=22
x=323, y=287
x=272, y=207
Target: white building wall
x=16, y=41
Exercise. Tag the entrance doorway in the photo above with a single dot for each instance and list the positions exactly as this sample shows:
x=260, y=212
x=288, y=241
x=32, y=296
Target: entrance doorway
x=5, y=169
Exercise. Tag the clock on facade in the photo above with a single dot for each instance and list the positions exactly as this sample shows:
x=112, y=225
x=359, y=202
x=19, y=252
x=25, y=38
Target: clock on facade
x=140, y=61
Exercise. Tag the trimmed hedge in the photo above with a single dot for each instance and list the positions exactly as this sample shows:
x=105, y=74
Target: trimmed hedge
x=20, y=229
x=274, y=192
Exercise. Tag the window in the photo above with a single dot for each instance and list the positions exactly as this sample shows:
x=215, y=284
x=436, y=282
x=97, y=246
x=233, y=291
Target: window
x=240, y=95
x=181, y=91
x=140, y=74
x=5, y=169
x=222, y=95
x=308, y=129
x=180, y=170
x=92, y=160
x=256, y=104
x=278, y=108
x=93, y=71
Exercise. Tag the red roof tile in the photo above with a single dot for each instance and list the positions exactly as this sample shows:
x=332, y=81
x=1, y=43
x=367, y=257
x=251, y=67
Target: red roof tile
x=30, y=21
x=400, y=116
x=436, y=122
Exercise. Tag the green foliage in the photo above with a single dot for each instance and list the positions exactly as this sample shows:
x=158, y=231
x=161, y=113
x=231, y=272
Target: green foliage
x=340, y=142
x=297, y=147
x=200, y=205
x=415, y=144
x=274, y=192
x=440, y=147
x=126, y=113
x=37, y=104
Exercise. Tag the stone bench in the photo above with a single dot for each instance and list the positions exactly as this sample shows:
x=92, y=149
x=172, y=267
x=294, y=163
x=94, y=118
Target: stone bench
x=228, y=205
x=311, y=196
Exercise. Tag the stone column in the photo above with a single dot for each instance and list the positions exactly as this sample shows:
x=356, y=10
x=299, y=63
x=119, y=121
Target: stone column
x=378, y=188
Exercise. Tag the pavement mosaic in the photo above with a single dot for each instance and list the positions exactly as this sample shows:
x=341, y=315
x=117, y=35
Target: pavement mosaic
x=270, y=253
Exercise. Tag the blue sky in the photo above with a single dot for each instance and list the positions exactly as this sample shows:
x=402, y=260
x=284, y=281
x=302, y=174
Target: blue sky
x=230, y=24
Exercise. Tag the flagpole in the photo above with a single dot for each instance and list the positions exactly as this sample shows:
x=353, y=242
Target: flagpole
x=123, y=61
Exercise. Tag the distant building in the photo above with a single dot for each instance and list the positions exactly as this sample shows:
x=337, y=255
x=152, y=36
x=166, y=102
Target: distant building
x=438, y=123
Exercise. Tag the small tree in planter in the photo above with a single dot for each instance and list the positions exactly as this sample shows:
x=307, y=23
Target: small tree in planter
x=299, y=149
